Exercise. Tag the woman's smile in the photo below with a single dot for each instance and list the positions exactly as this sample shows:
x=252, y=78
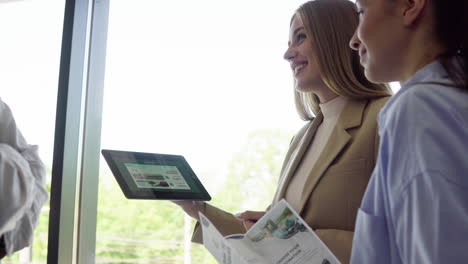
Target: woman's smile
x=298, y=67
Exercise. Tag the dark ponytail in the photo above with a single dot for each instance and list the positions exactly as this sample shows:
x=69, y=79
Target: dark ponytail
x=451, y=25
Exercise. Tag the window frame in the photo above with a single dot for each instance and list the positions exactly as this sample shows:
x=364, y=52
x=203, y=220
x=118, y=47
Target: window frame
x=75, y=169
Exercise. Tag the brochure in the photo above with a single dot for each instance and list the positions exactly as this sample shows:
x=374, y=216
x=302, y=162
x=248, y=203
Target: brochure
x=280, y=237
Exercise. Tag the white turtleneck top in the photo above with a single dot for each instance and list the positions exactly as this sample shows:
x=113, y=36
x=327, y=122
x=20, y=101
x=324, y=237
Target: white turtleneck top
x=331, y=111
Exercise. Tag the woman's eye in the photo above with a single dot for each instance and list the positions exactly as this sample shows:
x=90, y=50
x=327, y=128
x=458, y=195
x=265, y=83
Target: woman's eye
x=301, y=36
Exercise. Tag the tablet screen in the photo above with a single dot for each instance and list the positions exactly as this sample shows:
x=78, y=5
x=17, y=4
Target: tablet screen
x=154, y=176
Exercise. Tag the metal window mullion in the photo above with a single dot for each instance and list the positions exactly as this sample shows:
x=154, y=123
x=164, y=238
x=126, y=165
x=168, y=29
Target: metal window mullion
x=66, y=168
x=92, y=133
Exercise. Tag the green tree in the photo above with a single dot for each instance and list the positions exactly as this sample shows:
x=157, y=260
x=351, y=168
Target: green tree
x=139, y=231
x=254, y=171
x=142, y=231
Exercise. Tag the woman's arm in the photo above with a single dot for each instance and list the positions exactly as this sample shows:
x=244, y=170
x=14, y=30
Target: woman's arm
x=23, y=177
x=226, y=223
x=192, y=208
x=338, y=241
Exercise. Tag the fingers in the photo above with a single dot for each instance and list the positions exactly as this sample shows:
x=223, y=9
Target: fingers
x=250, y=215
x=248, y=224
x=191, y=207
x=182, y=203
x=249, y=218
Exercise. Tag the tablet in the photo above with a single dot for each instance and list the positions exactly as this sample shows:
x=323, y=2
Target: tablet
x=154, y=176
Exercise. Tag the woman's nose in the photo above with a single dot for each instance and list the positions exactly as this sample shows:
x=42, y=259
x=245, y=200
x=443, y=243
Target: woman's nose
x=355, y=43
x=289, y=54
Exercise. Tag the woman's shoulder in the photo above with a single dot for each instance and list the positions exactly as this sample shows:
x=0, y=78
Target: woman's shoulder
x=5, y=112
x=378, y=103
x=371, y=107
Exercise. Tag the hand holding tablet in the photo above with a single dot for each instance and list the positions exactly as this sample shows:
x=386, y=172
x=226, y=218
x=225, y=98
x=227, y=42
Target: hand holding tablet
x=154, y=176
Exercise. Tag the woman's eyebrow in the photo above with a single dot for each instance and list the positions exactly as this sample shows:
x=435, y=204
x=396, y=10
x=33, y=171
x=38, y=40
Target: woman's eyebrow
x=297, y=30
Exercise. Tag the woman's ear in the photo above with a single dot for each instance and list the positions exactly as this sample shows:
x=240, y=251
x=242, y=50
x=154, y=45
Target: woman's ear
x=413, y=11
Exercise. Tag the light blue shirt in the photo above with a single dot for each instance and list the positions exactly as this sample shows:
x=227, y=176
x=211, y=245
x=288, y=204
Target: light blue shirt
x=415, y=209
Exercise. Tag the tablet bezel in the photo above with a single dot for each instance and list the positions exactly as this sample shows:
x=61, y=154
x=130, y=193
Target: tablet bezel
x=152, y=194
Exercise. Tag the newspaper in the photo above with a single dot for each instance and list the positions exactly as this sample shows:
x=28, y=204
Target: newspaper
x=280, y=237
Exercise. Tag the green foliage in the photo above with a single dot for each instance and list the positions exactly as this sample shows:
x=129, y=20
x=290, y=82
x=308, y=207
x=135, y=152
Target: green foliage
x=138, y=231
x=254, y=171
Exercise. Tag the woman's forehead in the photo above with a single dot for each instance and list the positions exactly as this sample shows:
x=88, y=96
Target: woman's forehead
x=297, y=21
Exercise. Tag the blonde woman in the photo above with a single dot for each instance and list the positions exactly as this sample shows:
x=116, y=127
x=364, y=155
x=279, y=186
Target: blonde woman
x=330, y=160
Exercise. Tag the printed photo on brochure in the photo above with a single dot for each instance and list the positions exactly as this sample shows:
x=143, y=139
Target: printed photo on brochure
x=281, y=237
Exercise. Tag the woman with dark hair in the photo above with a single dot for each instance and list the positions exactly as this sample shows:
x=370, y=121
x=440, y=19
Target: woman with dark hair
x=415, y=209
x=330, y=160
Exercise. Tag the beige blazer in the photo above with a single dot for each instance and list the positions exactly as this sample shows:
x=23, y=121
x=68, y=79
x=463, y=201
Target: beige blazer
x=336, y=184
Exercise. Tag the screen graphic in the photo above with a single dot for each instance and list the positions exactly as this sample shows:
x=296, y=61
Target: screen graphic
x=151, y=176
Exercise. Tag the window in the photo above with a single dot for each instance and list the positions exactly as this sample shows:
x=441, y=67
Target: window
x=204, y=79
x=30, y=55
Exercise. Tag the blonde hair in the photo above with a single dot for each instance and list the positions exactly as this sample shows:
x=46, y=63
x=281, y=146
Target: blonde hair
x=330, y=24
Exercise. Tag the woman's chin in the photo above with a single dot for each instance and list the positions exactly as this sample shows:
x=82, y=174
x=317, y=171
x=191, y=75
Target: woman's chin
x=376, y=76
x=303, y=88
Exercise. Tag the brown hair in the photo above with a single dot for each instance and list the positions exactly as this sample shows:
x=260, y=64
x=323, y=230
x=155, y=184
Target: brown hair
x=451, y=29
x=330, y=24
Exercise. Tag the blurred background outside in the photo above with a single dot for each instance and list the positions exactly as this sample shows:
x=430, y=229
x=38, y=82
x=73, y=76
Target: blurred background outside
x=203, y=79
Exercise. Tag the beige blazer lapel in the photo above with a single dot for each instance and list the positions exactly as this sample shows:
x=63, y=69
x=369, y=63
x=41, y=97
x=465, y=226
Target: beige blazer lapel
x=349, y=118
x=299, y=146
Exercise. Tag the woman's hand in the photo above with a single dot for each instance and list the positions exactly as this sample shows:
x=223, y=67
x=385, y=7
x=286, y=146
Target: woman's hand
x=192, y=207
x=249, y=218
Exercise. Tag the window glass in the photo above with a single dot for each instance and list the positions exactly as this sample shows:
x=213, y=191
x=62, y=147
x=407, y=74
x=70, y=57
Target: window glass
x=395, y=87
x=31, y=33
x=206, y=80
